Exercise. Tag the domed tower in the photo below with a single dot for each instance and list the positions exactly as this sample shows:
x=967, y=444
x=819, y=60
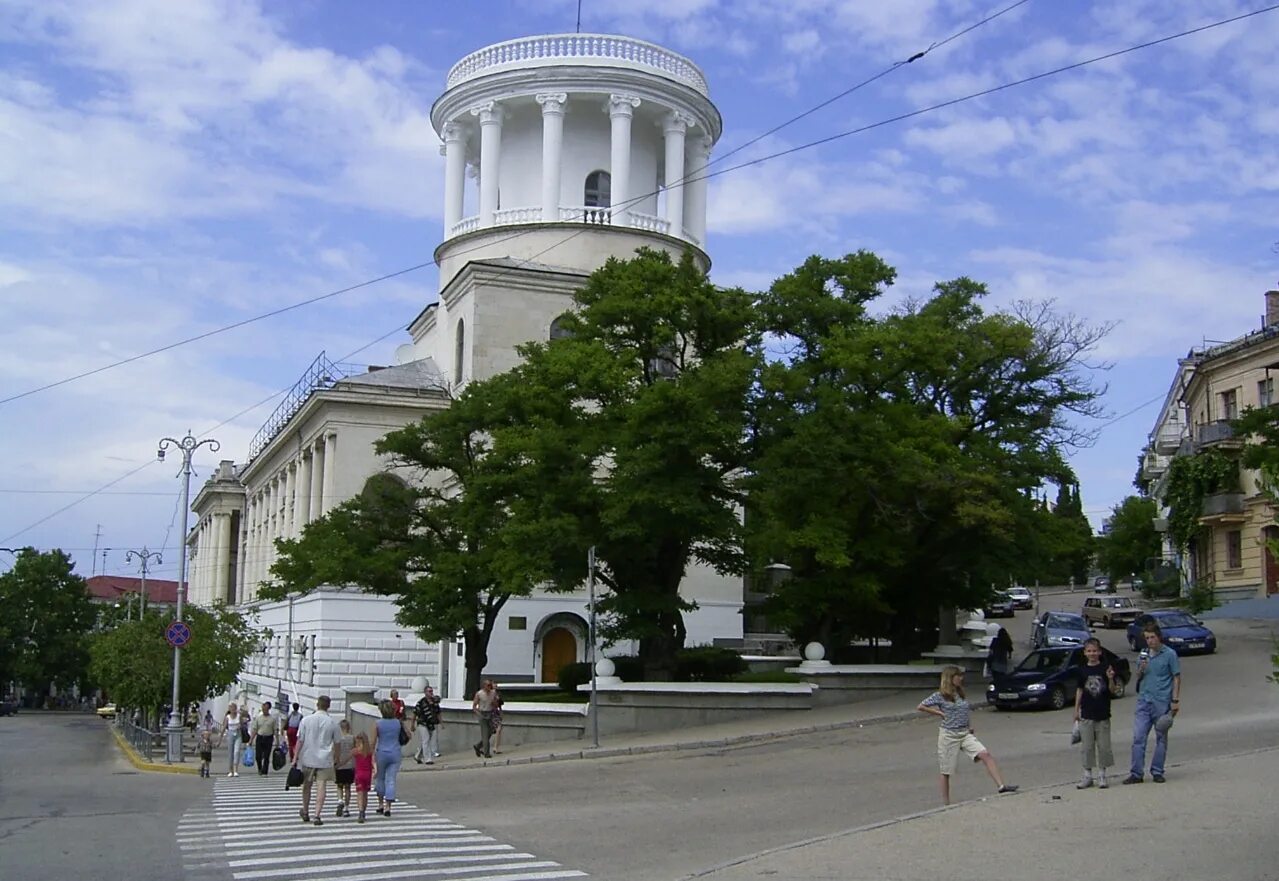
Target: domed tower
x=577, y=148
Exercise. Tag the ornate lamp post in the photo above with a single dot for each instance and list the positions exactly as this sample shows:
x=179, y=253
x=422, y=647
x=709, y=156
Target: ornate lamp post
x=187, y=446
x=145, y=557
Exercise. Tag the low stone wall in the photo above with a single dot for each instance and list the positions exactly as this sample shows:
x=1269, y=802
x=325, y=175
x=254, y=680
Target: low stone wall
x=849, y=683
x=662, y=706
x=522, y=723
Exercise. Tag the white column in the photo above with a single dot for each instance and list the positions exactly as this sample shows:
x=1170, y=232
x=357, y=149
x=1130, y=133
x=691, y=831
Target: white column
x=695, y=192
x=621, y=109
x=241, y=556
x=674, y=125
x=490, y=116
x=304, y=491
x=330, y=469
x=454, y=151
x=317, y=479
x=552, y=152
x=289, y=478
x=222, y=566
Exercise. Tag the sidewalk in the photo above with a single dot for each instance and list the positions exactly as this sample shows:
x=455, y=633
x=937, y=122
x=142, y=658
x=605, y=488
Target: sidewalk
x=1213, y=819
x=765, y=726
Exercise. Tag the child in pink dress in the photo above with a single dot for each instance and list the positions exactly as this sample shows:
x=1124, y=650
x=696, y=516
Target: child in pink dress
x=363, y=773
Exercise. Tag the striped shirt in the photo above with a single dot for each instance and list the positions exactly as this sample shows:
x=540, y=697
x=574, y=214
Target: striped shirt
x=956, y=714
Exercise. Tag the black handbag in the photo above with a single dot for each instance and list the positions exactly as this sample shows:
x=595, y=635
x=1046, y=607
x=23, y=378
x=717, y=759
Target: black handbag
x=405, y=737
x=279, y=756
x=294, y=778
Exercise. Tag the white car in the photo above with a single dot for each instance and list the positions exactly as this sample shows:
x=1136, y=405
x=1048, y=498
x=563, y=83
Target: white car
x=1022, y=597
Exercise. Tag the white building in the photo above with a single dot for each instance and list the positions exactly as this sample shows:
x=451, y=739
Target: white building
x=577, y=148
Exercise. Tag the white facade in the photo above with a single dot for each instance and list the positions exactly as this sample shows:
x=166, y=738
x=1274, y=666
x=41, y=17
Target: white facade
x=560, y=152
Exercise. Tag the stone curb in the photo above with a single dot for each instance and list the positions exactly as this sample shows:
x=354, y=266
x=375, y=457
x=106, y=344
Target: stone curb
x=143, y=765
x=733, y=740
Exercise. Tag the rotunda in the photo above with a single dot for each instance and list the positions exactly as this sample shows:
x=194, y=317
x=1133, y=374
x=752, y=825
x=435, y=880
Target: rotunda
x=573, y=129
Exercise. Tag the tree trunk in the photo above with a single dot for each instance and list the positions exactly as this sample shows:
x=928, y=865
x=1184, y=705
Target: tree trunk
x=476, y=641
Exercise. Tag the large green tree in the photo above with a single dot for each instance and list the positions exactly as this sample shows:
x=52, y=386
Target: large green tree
x=441, y=544
x=133, y=662
x=1131, y=542
x=45, y=615
x=896, y=456
x=626, y=434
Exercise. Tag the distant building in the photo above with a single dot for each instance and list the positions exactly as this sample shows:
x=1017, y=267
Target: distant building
x=578, y=147
x=127, y=592
x=1213, y=386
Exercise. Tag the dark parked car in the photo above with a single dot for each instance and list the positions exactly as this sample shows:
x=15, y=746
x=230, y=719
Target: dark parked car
x=9, y=707
x=1110, y=611
x=1183, y=633
x=1101, y=584
x=1049, y=678
x=1052, y=629
x=1000, y=605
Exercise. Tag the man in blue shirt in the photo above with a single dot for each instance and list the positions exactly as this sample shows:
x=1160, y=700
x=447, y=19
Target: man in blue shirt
x=1158, y=698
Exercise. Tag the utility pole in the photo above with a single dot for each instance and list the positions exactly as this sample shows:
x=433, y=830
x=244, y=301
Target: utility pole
x=97, y=537
x=187, y=446
x=595, y=701
x=144, y=556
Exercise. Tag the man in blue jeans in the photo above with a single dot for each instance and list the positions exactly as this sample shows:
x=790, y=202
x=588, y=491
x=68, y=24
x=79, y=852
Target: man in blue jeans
x=1158, y=695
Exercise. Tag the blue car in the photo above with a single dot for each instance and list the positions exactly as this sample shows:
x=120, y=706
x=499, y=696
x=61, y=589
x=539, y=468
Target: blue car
x=1048, y=678
x=1183, y=632
x=1058, y=630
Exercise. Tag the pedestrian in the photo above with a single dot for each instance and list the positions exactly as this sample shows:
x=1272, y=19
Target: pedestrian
x=397, y=703
x=999, y=658
x=316, y=754
x=1158, y=702
x=264, y=727
x=208, y=724
x=205, y=747
x=291, y=731
x=362, y=757
x=427, y=715
x=246, y=737
x=495, y=719
x=387, y=755
x=482, y=707
x=956, y=734
x=231, y=736
x=344, y=768
x=1092, y=714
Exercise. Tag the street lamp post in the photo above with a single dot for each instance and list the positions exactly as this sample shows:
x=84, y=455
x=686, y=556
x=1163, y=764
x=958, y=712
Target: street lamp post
x=187, y=446
x=144, y=556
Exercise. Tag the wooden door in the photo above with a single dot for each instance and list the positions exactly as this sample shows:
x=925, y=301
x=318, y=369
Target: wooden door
x=559, y=649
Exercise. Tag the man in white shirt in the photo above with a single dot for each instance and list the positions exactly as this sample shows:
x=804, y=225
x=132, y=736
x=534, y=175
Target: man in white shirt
x=317, y=748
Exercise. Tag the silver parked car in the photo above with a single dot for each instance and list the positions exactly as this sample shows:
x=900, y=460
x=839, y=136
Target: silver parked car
x=1110, y=611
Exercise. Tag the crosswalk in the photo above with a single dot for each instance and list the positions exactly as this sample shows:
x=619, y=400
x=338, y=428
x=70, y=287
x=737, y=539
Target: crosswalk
x=250, y=831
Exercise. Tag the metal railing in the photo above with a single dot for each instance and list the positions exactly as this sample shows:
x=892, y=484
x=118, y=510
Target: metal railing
x=148, y=743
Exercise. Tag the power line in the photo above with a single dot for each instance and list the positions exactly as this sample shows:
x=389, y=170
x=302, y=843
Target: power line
x=390, y=275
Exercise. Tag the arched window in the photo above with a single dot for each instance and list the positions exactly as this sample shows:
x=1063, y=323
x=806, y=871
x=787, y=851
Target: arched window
x=599, y=189
x=459, y=351
x=560, y=329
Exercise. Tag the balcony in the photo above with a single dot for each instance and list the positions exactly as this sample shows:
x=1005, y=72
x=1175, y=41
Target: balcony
x=1167, y=439
x=1220, y=433
x=593, y=215
x=1223, y=508
x=1153, y=465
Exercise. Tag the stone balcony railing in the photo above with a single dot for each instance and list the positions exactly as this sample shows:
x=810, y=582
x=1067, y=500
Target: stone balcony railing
x=1214, y=432
x=561, y=49
x=1222, y=504
x=601, y=216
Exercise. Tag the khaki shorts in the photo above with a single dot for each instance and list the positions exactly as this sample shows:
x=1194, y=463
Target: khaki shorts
x=949, y=744
x=323, y=775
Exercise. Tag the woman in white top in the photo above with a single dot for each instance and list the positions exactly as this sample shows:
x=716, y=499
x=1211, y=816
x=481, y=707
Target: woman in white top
x=231, y=731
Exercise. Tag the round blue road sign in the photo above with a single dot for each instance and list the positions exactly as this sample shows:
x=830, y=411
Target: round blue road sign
x=178, y=634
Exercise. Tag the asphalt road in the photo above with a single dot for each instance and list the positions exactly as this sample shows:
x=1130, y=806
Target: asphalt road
x=669, y=815
x=72, y=807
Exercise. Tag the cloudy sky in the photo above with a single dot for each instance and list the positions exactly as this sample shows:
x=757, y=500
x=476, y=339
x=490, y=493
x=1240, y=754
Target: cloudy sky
x=167, y=169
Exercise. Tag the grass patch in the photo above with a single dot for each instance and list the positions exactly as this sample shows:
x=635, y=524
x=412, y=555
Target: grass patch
x=765, y=676
x=551, y=696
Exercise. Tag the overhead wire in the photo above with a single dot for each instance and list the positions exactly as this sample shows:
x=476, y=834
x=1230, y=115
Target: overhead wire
x=703, y=176
x=488, y=244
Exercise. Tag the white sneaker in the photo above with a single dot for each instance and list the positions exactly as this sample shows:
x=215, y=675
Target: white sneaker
x=235, y=773
x=1101, y=781
x=230, y=773
x=1085, y=781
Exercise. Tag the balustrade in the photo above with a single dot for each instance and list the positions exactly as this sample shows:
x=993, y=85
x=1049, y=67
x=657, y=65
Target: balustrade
x=536, y=50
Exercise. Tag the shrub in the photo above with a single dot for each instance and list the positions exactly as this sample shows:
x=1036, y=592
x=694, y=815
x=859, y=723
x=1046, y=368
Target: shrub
x=767, y=676
x=1201, y=597
x=628, y=667
x=705, y=663
x=573, y=675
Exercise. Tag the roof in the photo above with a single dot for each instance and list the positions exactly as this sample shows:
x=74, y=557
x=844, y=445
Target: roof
x=420, y=374
x=109, y=588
